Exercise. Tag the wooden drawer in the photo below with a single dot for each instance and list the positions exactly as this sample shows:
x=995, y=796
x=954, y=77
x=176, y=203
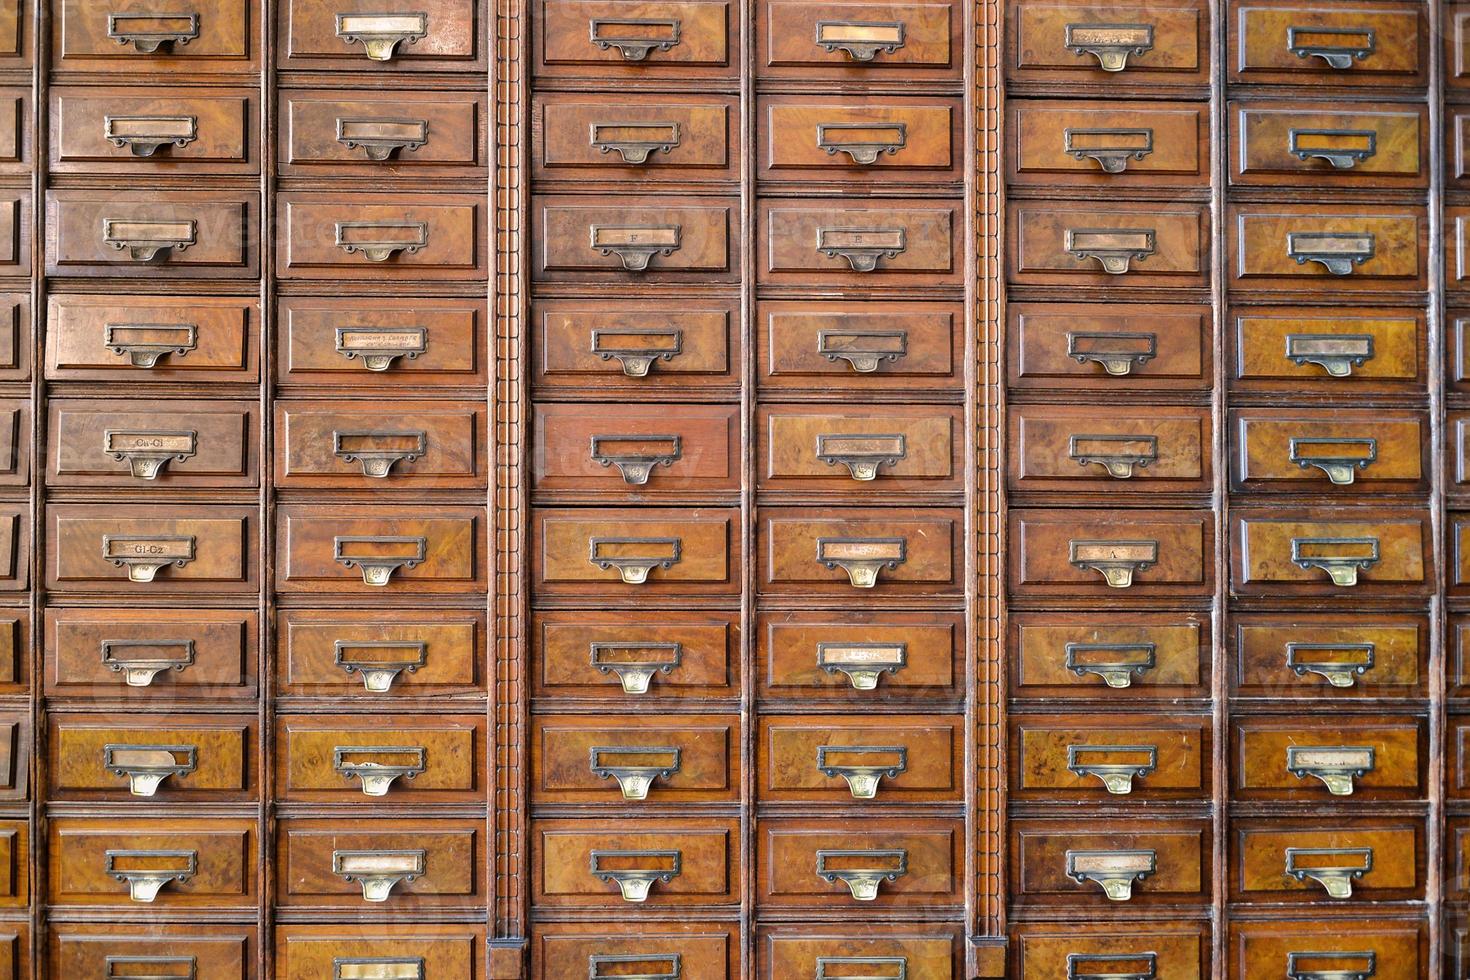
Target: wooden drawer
x=636, y=238
x=1386, y=949
x=1329, y=656
x=860, y=656
x=15, y=661
x=1071, y=449
x=198, y=339
x=837, y=343
x=387, y=343
x=133, y=234
x=836, y=759
x=853, y=450
x=1457, y=861
x=16, y=151
x=1098, y=553
x=637, y=551
x=15, y=442
x=1137, y=346
x=15, y=234
x=1177, y=950
x=1108, y=144
x=1101, y=757
x=172, y=758
x=398, y=133
x=193, y=864
x=363, y=35
x=397, y=445
x=927, y=951
x=1317, y=144
x=880, y=551
x=603, y=137
x=16, y=336
x=381, y=865
x=1118, y=245
x=14, y=547
x=383, y=655
x=846, y=241
x=636, y=449
x=14, y=46
x=1117, y=43
x=14, y=871
x=1293, y=43
x=1326, y=860
x=637, y=345
x=625, y=657
x=657, y=758
x=133, y=131
x=91, y=949
x=698, y=950
x=871, y=42
x=155, y=550
x=1337, y=451
x=1367, y=758
x=1457, y=248
x=628, y=865
x=1457, y=150
x=151, y=654
x=163, y=36
x=1457, y=749
x=311, y=952
x=353, y=759
x=1289, y=553
x=381, y=237
x=623, y=39
x=1295, y=350
x=149, y=444
x=1115, y=657
x=1326, y=248
x=1457, y=655
x=870, y=139
x=868, y=863
x=1110, y=866
x=362, y=549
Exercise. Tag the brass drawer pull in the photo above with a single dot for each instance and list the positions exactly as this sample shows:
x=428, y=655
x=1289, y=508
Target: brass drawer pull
x=862, y=558
x=366, y=763
x=636, y=245
x=636, y=38
x=1341, y=558
x=635, y=142
x=380, y=139
x=146, y=240
x=146, y=872
x=661, y=966
x=637, y=349
x=1337, y=252
x=1117, y=776
x=636, y=456
x=863, y=350
x=1119, y=455
x=379, y=661
x=1111, y=148
x=379, y=241
x=861, y=40
x=378, y=349
x=145, y=135
x=1112, y=966
x=635, y=664
x=1340, y=459
x=1353, y=660
x=1116, y=663
x=862, y=871
x=1337, y=354
x=144, y=555
x=1335, y=765
x=1116, y=353
x=140, y=661
x=147, y=453
x=147, y=766
x=149, y=32
x=144, y=343
x=864, y=454
x=151, y=968
x=634, y=558
x=863, y=663
x=635, y=767
x=1299, y=966
x=378, y=968
x=1110, y=44
x=1339, y=47
x=1117, y=561
x=864, y=143
x=377, y=452
x=381, y=34
x=1342, y=148
x=863, y=778
x=1115, y=871
x=635, y=872
x=892, y=967
x=862, y=247
x=378, y=871
x=1115, y=249
x=1349, y=864
x=379, y=556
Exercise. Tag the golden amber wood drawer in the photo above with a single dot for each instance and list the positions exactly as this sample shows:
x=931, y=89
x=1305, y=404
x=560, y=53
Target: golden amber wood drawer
x=365, y=133
x=1457, y=846
x=834, y=759
x=869, y=345
x=15, y=665
x=354, y=759
x=1326, y=861
x=151, y=654
x=857, y=449
x=1329, y=656
x=636, y=758
x=386, y=343
x=395, y=549
x=698, y=950
x=873, y=139
x=1386, y=949
x=161, y=36
x=1109, y=144
x=1326, y=248
x=14, y=871
x=383, y=655
x=1110, y=864
x=15, y=751
x=380, y=445
x=14, y=547
x=380, y=865
x=929, y=951
x=1340, y=451
x=1459, y=445
x=626, y=657
x=638, y=345
x=1458, y=656
x=1099, y=758
x=1043, y=951
x=15, y=442
x=848, y=241
x=1289, y=349
x=635, y=551
x=202, y=339
x=1121, y=44
x=636, y=238
x=1457, y=750
x=629, y=865
x=90, y=949
x=147, y=444
x=1118, y=245
x=593, y=38
x=859, y=656
x=13, y=47
x=598, y=137
x=1293, y=43
x=1113, y=657
x=1367, y=758
x=381, y=237
x=134, y=132
x=178, y=757
x=871, y=863
x=636, y=449
x=859, y=41
x=1103, y=346
x=1320, y=145
x=1291, y=553
x=134, y=234
x=366, y=35
x=1089, y=552
x=146, y=549
x=311, y=952
x=1457, y=133
x=889, y=551
x=157, y=864
x=1063, y=448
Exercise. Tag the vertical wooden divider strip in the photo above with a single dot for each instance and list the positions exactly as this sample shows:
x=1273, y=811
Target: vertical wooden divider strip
x=36, y=864
x=1220, y=489
x=1437, y=866
x=266, y=682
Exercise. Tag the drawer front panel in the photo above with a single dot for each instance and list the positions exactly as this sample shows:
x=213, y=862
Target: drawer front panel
x=1103, y=346
x=361, y=133
x=830, y=759
x=383, y=446
x=151, y=550
x=418, y=549
x=858, y=449
x=1110, y=862
x=179, y=757
x=1361, y=758
x=308, y=952
x=1380, y=553
x=668, y=759
x=636, y=551
x=386, y=344
x=633, y=450
x=219, y=42
x=152, y=654
x=1322, y=861
x=685, y=38
x=929, y=951
x=15, y=442
x=1335, y=657
x=640, y=345
x=343, y=759
x=130, y=132
x=859, y=656
x=594, y=864
x=843, y=242
x=626, y=657
x=1103, y=553
x=1314, y=145
x=808, y=138
x=398, y=863
x=1280, y=349
x=831, y=864
x=1330, y=451
x=701, y=950
x=1114, y=657
x=1082, y=42
x=382, y=655
x=1328, y=249
x=1109, y=144
x=600, y=136
x=381, y=237
x=840, y=344
x=1056, y=448
x=166, y=864
x=1173, y=951
x=1303, y=44
x=358, y=35
x=198, y=339
x=888, y=551
x=1397, y=949
x=1059, y=244
x=1096, y=758
x=856, y=43
x=642, y=238
x=145, y=234
x=99, y=443
x=84, y=949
